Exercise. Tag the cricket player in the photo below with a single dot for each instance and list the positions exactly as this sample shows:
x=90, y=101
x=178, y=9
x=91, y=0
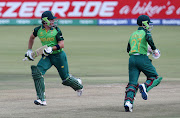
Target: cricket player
x=50, y=35
x=139, y=61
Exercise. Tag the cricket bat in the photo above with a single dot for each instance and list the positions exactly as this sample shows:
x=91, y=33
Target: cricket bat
x=37, y=52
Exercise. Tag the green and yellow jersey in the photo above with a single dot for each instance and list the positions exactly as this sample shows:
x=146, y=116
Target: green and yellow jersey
x=49, y=38
x=138, y=42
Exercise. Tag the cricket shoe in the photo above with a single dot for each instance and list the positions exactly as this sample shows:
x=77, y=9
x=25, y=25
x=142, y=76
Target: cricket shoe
x=79, y=92
x=142, y=90
x=39, y=102
x=128, y=106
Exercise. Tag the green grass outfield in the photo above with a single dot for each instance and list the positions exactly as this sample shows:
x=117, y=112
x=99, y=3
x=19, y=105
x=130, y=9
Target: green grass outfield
x=98, y=55
x=91, y=50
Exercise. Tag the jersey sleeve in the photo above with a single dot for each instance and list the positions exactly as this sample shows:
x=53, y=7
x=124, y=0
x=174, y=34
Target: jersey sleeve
x=150, y=40
x=36, y=30
x=128, y=47
x=59, y=36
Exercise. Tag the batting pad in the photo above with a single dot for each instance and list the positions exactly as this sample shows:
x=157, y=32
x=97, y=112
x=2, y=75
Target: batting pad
x=38, y=82
x=73, y=83
x=155, y=83
x=131, y=91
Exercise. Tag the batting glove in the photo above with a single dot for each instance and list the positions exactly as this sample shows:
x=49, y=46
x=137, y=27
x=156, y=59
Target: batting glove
x=156, y=54
x=149, y=50
x=28, y=55
x=47, y=51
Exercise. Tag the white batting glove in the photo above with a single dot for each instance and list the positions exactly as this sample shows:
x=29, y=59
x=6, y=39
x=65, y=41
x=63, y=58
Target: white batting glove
x=156, y=54
x=28, y=56
x=47, y=51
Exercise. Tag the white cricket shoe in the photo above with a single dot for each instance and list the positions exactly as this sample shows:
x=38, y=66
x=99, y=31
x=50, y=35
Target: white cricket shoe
x=43, y=103
x=79, y=92
x=142, y=90
x=39, y=102
x=128, y=107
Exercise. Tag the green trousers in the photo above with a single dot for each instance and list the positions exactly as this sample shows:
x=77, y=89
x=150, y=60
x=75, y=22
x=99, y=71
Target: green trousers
x=140, y=63
x=59, y=60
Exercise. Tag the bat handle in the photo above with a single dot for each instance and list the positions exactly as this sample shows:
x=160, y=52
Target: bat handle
x=25, y=59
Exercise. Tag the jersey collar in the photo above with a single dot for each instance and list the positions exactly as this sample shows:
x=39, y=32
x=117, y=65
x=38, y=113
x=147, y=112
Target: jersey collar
x=140, y=28
x=44, y=27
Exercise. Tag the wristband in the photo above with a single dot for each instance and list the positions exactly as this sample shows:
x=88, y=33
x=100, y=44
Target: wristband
x=57, y=46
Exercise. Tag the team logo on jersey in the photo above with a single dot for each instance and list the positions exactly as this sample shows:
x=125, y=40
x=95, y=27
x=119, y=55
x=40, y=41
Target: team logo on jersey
x=41, y=34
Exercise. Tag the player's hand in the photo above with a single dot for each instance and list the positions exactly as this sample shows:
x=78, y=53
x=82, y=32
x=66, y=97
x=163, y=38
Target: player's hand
x=149, y=50
x=156, y=54
x=47, y=51
x=28, y=56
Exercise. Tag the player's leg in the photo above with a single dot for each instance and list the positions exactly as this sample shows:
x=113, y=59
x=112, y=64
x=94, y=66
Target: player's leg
x=152, y=78
x=131, y=91
x=60, y=62
x=132, y=86
x=37, y=74
x=39, y=85
x=155, y=82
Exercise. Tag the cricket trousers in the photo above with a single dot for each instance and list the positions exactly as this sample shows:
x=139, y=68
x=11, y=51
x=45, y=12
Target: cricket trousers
x=138, y=63
x=59, y=60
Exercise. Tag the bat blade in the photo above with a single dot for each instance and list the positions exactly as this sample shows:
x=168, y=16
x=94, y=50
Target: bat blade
x=38, y=52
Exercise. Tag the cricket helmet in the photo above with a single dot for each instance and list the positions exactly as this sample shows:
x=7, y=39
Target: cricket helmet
x=46, y=16
x=142, y=18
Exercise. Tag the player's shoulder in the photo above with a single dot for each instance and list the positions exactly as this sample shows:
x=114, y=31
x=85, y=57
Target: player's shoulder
x=147, y=32
x=58, y=29
x=37, y=28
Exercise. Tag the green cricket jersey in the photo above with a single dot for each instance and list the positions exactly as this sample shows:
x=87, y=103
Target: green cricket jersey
x=139, y=40
x=49, y=38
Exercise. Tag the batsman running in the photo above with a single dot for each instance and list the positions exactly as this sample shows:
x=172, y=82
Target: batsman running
x=53, y=55
x=139, y=62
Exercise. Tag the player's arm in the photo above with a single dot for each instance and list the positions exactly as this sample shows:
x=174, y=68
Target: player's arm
x=31, y=41
x=155, y=52
x=28, y=55
x=49, y=50
x=59, y=45
x=59, y=39
x=128, y=47
x=29, y=51
x=32, y=37
x=150, y=41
